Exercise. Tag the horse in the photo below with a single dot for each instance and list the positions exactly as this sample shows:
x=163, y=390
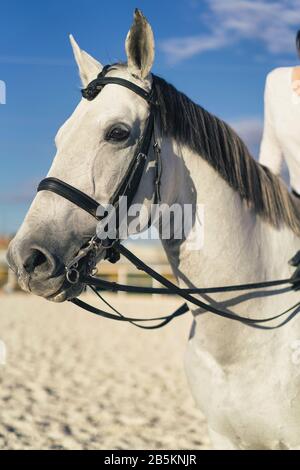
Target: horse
x=246, y=381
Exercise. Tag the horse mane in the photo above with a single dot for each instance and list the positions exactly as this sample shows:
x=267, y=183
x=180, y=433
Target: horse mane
x=215, y=141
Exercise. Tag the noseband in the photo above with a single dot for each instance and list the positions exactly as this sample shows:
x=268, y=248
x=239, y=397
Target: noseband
x=81, y=267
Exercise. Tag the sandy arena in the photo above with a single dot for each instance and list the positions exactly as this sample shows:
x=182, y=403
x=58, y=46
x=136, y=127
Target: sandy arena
x=75, y=381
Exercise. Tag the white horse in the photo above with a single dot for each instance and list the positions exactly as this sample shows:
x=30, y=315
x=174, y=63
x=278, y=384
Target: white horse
x=246, y=381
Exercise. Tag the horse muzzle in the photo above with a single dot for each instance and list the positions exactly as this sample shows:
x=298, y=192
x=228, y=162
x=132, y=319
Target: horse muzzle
x=38, y=270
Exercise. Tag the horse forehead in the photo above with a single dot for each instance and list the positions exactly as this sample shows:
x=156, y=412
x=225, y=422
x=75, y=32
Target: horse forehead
x=120, y=94
x=117, y=96
x=113, y=100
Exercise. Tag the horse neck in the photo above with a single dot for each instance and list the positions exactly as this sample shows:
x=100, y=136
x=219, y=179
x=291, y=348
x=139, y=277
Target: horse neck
x=238, y=245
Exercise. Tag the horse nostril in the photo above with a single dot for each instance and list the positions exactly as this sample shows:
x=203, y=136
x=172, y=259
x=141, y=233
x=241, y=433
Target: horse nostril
x=38, y=262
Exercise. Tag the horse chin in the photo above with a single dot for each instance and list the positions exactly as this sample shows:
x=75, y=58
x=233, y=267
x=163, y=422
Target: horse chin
x=66, y=293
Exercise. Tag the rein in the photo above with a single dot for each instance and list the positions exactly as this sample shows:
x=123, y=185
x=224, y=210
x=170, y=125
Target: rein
x=82, y=266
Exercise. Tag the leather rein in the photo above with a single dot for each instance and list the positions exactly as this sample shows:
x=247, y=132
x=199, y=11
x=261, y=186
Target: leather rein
x=82, y=267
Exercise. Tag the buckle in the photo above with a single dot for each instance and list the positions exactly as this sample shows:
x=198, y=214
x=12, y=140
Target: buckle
x=141, y=155
x=72, y=275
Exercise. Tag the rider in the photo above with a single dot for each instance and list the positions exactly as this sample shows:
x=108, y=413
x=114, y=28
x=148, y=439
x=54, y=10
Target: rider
x=281, y=136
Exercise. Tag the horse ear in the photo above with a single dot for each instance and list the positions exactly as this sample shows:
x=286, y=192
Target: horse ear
x=139, y=46
x=88, y=67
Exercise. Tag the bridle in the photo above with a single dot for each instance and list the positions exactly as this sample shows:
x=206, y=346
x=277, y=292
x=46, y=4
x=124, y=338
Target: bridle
x=81, y=268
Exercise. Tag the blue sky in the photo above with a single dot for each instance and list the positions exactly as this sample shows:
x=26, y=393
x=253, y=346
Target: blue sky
x=217, y=51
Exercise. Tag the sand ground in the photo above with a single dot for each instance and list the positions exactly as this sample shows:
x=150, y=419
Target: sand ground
x=75, y=381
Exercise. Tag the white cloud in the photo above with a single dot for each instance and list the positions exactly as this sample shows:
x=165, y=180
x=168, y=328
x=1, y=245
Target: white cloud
x=272, y=22
x=182, y=48
x=250, y=130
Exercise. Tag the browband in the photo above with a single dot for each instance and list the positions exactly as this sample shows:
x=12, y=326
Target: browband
x=95, y=86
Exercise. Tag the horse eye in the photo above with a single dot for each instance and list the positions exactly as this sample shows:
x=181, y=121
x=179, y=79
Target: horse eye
x=117, y=134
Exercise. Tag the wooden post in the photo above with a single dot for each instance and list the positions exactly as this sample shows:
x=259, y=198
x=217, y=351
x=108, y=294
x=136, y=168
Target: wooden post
x=12, y=282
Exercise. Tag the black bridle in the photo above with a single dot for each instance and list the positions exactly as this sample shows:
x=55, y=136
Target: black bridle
x=82, y=266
